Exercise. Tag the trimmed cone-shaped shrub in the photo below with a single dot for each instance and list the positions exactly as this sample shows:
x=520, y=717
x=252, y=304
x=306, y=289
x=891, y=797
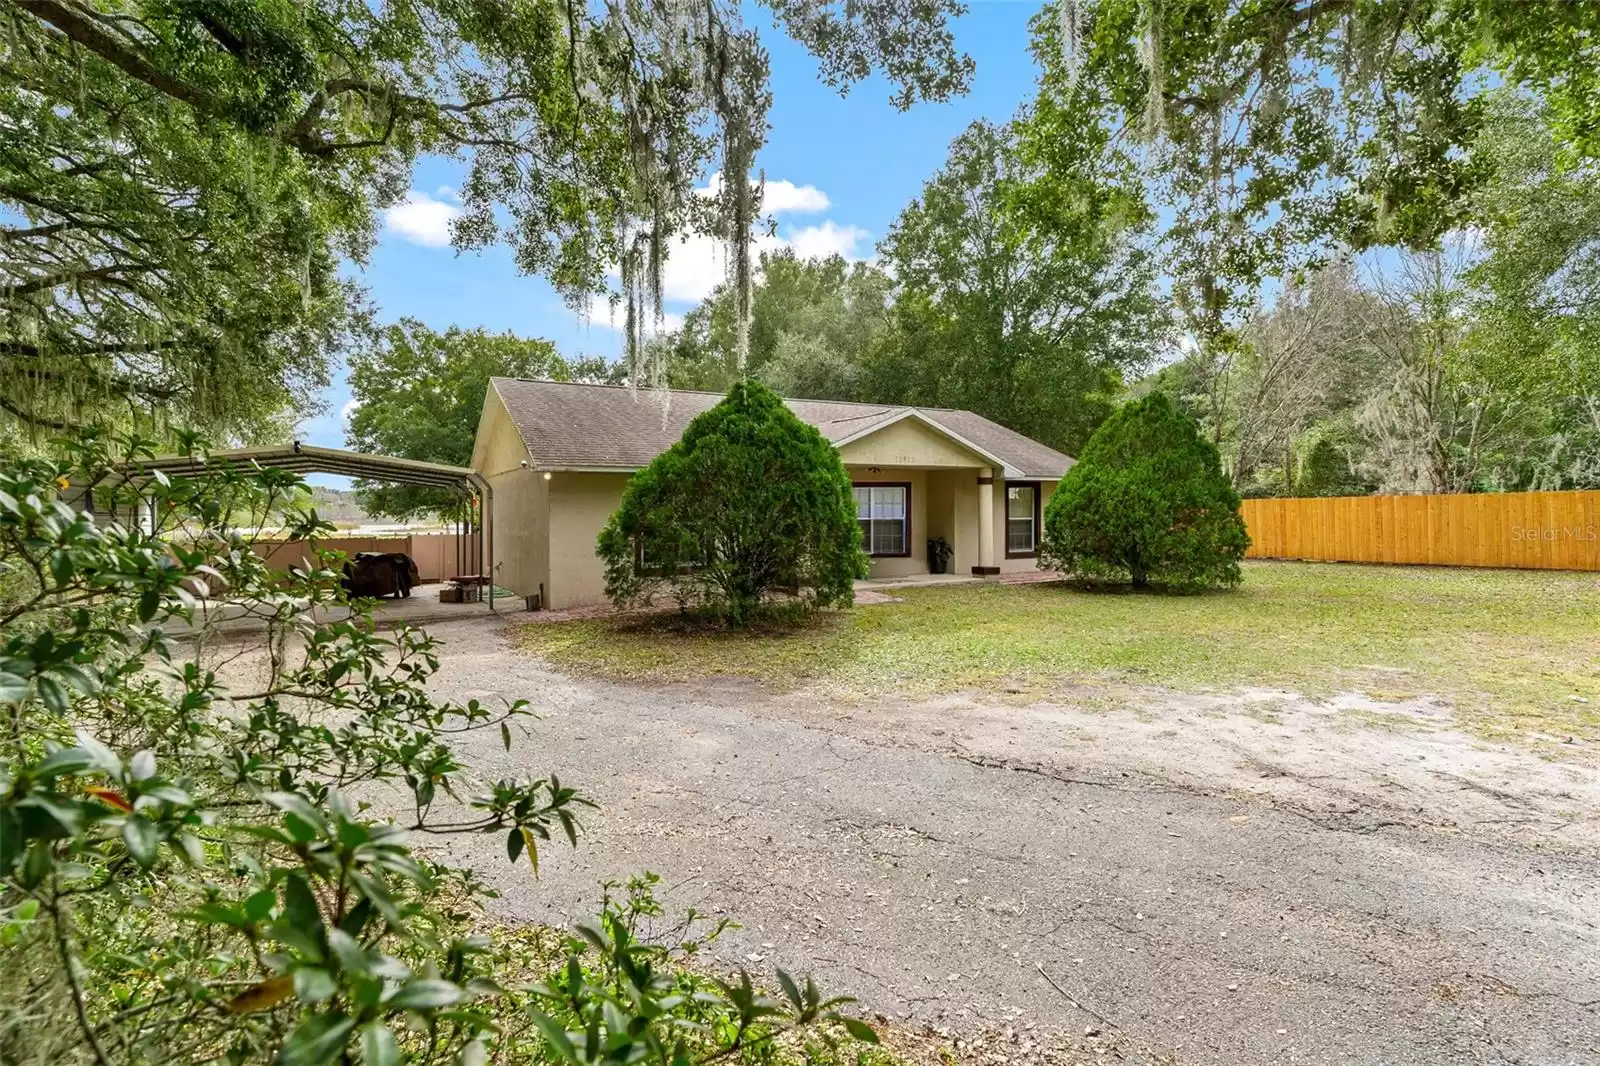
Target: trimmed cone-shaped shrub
x=1326, y=472
x=750, y=501
x=1146, y=502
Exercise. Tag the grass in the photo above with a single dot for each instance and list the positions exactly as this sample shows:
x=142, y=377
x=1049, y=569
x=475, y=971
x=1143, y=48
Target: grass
x=1511, y=649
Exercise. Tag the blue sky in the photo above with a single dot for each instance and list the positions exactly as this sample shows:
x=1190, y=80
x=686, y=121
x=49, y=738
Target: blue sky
x=838, y=169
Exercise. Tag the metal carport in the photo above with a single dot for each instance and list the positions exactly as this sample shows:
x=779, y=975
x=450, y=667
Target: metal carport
x=309, y=459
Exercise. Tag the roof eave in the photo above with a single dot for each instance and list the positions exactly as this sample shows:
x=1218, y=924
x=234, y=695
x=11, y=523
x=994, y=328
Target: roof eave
x=1006, y=469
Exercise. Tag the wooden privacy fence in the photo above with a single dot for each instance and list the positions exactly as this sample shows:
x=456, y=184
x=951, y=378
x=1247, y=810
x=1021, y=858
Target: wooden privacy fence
x=1527, y=530
x=434, y=553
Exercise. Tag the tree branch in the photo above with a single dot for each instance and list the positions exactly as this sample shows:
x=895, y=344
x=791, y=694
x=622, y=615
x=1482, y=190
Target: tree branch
x=81, y=27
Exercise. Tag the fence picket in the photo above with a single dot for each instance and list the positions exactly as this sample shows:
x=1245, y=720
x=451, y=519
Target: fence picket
x=1522, y=530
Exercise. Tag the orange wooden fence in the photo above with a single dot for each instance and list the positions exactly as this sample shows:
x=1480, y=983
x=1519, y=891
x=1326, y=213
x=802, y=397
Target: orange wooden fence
x=1527, y=530
x=434, y=553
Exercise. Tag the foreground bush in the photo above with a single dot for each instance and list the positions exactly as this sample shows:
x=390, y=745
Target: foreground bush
x=750, y=501
x=186, y=872
x=1147, y=501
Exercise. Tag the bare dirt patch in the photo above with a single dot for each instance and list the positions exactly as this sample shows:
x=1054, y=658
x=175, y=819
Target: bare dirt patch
x=1252, y=877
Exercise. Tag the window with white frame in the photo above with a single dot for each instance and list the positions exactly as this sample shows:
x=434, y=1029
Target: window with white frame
x=1022, y=517
x=883, y=511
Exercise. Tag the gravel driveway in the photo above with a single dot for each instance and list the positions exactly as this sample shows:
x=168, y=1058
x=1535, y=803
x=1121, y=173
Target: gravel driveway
x=1189, y=880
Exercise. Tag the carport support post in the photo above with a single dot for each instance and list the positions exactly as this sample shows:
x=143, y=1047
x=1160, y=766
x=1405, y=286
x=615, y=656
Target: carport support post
x=486, y=531
x=986, y=564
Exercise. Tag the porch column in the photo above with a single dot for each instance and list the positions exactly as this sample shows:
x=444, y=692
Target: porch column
x=986, y=564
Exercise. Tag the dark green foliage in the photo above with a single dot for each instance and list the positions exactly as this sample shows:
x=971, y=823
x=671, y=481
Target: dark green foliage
x=750, y=501
x=1147, y=501
x=419, y=395
x=1326, y=472
x=186, y=871
x=181, y=180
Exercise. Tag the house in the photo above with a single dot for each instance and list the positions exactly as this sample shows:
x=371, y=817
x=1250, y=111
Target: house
x=558, y=454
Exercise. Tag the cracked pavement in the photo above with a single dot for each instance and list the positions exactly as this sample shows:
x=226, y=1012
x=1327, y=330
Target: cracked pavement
x=1195, y=885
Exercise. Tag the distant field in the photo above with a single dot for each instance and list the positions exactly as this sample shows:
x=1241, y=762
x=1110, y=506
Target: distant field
x=1517, y=652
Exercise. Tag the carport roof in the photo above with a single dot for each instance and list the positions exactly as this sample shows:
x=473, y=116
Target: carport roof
x=309, y=459
x=571, y=426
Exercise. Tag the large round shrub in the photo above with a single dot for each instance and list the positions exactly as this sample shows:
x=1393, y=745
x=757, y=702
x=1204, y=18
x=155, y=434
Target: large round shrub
x=750, y=500
x=1147, y=501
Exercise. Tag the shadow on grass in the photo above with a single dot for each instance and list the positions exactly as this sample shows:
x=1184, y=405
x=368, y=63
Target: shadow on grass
x=1102, y=587
x=778, y=621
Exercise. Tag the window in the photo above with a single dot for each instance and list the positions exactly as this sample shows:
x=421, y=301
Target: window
x=1022, y=518
x=883, y=512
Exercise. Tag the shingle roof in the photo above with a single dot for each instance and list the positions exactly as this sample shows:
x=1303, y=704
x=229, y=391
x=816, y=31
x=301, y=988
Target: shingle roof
x=568, y=425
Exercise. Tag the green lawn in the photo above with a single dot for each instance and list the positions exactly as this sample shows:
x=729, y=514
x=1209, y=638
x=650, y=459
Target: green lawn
x=1511, y=649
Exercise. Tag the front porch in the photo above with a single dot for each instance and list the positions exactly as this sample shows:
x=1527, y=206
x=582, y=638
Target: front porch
x=992, y=525
x=915, y=482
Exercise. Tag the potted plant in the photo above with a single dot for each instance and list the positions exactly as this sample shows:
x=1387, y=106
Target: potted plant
x=939, y=553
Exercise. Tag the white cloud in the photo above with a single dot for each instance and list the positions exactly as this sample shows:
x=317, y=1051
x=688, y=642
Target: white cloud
x=446, y=192
x=819, y=242
x=779, y=197
x=697, y=264
x=421, y=219
x=347, y=410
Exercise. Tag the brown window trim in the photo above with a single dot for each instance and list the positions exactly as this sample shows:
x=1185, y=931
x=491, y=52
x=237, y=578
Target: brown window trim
x=1038, y=523
x=891, y=485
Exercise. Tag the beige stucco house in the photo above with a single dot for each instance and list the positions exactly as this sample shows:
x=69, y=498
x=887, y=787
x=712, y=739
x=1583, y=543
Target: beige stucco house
x=557, y=456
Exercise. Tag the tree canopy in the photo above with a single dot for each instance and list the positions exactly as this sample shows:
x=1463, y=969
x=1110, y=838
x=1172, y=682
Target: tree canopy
x=1000, y=289
x=186, y=177
x=1019, y=299
x=419, y=395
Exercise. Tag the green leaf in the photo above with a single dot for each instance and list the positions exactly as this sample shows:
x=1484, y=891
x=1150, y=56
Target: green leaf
x=514, y=844
x=472, y=1053
x=61, y=567
x=314, y=985
x=149, y=600
x=351, y=955
x=425, y=993
x=143, y=838
x=13, y=689
x=556, y=1036
x=103, y=757
x=299, y=905
x=378, y=1047
x=533, y=851
x=53, y=693
x=258, y=907
x=356, y=920
x=143, y=766
x=791, y=990
x=505, y=735
x=858, y=1029
x=317, y=1041
x=36, y=864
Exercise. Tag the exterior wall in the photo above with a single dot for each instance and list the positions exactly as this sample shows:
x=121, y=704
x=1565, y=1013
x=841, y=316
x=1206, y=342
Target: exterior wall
x=580, y=504
x=953, y=515
x=521, y=519
x=908, y=443
x=521, y=531
x=1021, y=565
x=544, y=529
x=917, y=561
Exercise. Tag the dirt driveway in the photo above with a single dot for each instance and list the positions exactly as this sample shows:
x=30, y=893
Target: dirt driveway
x=1249, y=879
